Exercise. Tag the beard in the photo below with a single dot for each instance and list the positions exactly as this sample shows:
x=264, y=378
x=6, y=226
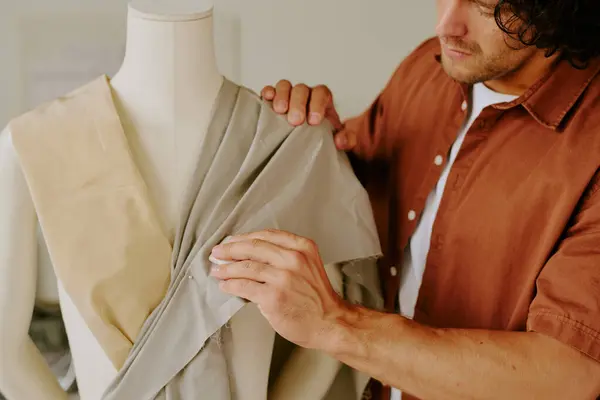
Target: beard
x=480, y=67
x=475, y=70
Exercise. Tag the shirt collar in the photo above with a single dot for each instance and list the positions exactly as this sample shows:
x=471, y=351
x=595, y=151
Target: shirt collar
x=552, y=97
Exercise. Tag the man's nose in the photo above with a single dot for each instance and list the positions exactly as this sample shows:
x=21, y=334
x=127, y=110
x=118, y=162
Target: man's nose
x=451, y=18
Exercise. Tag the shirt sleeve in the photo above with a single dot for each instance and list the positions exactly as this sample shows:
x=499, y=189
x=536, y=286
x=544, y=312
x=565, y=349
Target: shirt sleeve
x=368, y=128
x=567, y=303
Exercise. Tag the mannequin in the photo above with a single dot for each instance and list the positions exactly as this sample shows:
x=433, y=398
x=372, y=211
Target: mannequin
x=164, y=94
x=149, y=124
x=24, y=373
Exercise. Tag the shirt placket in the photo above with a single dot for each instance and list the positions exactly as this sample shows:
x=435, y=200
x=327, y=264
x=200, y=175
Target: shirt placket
x=454, y=191
x=411, y=215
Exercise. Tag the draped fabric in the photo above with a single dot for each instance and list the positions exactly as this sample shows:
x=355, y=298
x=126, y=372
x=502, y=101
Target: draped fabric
x=153, y=307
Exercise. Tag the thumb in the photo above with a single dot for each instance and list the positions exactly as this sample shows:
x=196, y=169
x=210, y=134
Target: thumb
x=332, y=115
x=345, y=139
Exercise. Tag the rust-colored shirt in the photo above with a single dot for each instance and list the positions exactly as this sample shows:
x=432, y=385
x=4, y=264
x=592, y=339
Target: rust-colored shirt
x=516, y=241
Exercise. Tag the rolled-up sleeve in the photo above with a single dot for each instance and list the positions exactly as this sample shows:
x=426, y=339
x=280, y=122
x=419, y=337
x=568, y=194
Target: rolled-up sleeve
x=567, y=302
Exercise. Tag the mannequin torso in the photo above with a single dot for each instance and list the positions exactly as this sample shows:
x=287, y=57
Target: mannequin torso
x=164, y=93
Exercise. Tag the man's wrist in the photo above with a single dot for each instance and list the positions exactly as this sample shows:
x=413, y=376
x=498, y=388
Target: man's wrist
x=373, y=342
x=347, y=336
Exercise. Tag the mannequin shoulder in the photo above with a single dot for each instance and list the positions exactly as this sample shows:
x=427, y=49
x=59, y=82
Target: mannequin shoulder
x=273, y=121
x=11, y=173
x=8, y=154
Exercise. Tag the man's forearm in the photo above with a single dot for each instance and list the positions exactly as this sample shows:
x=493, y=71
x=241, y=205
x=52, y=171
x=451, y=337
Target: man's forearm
x=461, y=364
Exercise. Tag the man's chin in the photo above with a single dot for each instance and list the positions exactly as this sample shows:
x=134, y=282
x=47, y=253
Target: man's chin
x=460, y=72
x=457, y=73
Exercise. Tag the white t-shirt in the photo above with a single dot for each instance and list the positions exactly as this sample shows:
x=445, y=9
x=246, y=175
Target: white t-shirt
x=415, y=254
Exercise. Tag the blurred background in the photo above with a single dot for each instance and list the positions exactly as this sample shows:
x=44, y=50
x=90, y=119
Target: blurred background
x=49, y=47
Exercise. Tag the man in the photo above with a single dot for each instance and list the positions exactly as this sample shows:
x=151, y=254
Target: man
x=481, y=157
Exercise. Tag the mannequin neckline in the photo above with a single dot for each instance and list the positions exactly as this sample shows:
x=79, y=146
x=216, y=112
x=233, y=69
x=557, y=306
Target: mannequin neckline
x=108, y=84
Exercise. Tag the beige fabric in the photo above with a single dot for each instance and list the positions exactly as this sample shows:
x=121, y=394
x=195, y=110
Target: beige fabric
x=104, y=239
x=256, y=172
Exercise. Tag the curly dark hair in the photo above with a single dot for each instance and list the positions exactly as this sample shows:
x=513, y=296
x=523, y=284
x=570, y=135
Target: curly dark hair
x=570, y=28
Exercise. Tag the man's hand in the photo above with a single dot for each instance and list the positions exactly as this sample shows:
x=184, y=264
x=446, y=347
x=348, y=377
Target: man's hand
x=284, y=275
x=312, y=105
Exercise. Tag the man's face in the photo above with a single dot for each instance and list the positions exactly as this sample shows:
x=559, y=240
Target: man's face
x=474, y=49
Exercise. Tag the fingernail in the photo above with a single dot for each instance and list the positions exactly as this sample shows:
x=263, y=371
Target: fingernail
x=214, y=268
x=216, y=261
x=341, y=141
x=314, y=118
x=295, y=117
x=219, y=246
x=280, y=106
x=227, y=239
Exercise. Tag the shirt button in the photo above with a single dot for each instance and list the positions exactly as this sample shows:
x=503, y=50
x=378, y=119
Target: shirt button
x=438, y=160
x=412, y=215
x=463, y=106
x=393, y=271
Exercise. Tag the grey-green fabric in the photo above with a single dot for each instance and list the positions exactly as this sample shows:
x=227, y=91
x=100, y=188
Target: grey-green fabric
x=255, y=172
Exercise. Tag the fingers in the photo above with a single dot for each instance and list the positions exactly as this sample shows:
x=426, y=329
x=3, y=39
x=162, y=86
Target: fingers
x=252, y=250
x=244, y=288
x=244, y=270
x=268, y=93
x=283, y=239
x=320, y=100
x=250, y=270
x=345, y=140
x=281, y=99
x=298, y=102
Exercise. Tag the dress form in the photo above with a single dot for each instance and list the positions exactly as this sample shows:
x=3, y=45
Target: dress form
x=164, y=94
x=24, y=374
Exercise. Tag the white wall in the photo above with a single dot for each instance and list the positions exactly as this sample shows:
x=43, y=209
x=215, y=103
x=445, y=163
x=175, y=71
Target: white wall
x=351, y=45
